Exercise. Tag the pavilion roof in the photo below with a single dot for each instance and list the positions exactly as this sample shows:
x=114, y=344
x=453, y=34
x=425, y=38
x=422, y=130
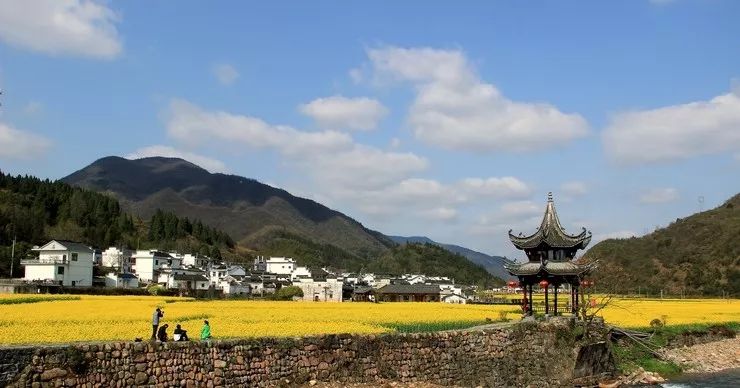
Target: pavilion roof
x=551, y=233
x=549, y=267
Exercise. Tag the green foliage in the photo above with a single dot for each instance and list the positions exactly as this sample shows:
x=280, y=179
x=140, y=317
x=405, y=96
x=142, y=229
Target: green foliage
x=35, y=211
x=287, y=293
x=697, y=255
x=421, y=327
x=630, y=356
x=156, y=289
x=434, y=261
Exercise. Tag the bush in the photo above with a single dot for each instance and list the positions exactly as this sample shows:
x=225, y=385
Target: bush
x=287, y=293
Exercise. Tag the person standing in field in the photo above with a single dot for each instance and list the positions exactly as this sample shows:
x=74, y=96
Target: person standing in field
x=158, y=313
x=205, y=332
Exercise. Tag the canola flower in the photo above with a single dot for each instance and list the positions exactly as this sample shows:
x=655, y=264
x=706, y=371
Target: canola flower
x=107, y=318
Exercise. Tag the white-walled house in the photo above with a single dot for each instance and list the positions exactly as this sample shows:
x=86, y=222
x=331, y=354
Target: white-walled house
x=66, y=262
x=191, y=260
x=216, y=273
x=454, y=298
x=146, y=264
x=300, y=272
x=278, y=265
x=188, y=281
x=328, y=290
x=235, y=285
x=121, y=280
x=119, y=259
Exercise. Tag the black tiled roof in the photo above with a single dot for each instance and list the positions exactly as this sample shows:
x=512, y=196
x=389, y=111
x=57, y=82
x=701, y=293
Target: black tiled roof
x=551, y=233
x=409, y=289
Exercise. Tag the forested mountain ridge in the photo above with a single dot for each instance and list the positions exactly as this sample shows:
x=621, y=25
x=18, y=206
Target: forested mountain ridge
x=699, y=254
x=244, y=208
x=493, y=264
x=35, y=211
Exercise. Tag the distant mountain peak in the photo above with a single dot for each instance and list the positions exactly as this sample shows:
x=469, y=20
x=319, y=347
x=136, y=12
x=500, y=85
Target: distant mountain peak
x=240, y=206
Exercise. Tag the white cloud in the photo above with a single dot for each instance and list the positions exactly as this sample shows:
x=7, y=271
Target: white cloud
x=444, y=214
x=395, y=142
x=574, y=189
x=61, y=27
x=521, y=209
x=505, y=187
x=193, y=125
x=210, y=164
x=454, y=109
x=675, y=132
x=659, y=195
x=18, y=144
x=225, y=74
x=331, y=157
x=338, y=112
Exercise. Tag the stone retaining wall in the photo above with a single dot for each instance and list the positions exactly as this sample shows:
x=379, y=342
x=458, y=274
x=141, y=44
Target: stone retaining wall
x=522, y=355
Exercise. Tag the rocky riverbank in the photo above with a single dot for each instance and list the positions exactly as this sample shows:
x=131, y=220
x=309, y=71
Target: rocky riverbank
x=708, y=357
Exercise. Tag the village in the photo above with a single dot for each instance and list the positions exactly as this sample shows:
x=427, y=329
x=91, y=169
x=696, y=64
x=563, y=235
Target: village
x=64, y=264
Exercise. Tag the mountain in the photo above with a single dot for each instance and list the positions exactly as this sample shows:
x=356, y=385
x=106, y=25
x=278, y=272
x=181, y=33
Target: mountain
x=699, y=254
x=249, y=211
x=34, y=211
x=493, y=264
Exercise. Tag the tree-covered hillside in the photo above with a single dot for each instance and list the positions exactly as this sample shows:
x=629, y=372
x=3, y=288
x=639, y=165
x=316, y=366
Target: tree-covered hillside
x=36, y=210
x=433, y=260
x=698, y=255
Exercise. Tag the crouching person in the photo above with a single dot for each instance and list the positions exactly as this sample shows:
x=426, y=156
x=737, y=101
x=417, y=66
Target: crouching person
x=179, y=334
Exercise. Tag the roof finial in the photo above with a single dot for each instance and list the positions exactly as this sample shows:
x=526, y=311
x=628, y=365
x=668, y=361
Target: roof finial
x=549, y=196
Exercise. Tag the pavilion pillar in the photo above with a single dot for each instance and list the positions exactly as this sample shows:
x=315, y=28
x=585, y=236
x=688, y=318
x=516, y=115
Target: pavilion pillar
x=547, y=300
x=555, y=307
x=575, y=305
x=531, y=302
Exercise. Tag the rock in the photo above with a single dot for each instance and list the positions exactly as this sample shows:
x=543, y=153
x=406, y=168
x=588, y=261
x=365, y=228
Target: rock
x=312, y=383
x=141, y=378
x=52, y=374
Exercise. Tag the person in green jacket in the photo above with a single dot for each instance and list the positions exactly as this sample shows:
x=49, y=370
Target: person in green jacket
x=205, y=332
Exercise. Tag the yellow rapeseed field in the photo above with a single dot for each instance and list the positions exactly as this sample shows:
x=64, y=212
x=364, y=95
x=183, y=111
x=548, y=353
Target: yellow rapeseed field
x=101, y=318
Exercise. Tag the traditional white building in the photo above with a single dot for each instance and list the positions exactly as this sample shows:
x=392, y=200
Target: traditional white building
x=328, y=290
x=120, y=259
x=300, y=272
x=235, y=285
x=66, y=262
x=278, y=265
x=189, y=282
x=191, y=260
x=121, y=280
x=454, y=298
x=146, y=264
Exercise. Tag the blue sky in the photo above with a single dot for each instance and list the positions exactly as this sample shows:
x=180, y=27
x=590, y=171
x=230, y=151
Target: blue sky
x=416, y=118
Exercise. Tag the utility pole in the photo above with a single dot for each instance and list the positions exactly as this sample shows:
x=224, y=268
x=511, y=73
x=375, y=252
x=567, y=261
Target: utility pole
x=12, y=257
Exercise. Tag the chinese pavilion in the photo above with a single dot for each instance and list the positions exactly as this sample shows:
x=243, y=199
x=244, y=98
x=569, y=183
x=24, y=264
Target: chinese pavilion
x=550, y=251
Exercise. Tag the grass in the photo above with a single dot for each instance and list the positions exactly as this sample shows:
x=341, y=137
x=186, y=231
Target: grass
x=37, y=299
x=425, y=327
x=630, y=356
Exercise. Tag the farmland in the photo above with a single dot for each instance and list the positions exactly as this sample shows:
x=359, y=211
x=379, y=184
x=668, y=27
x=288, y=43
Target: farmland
x=102, y=318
